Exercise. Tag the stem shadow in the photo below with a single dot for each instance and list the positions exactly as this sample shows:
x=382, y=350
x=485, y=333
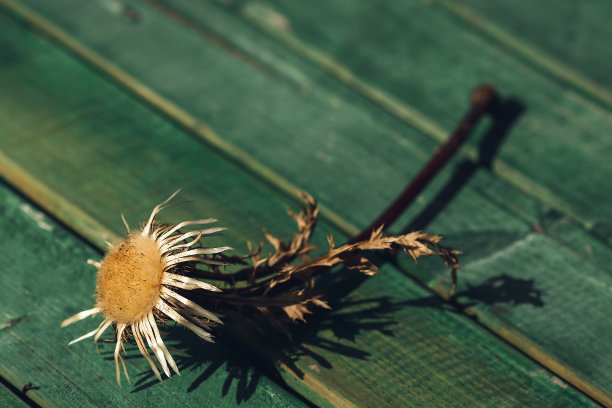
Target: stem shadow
x=504, y=115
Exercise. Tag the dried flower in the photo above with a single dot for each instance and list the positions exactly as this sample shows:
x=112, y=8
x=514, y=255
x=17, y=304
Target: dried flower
x=136, y=281
x=142, y=280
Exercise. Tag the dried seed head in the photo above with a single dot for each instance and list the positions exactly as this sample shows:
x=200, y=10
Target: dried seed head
x=129, y=280
x=139, y=279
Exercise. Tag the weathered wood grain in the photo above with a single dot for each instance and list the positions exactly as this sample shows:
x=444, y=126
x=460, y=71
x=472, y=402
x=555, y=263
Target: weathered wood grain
x=487, y=201
x=557, y=345
x=106, y=153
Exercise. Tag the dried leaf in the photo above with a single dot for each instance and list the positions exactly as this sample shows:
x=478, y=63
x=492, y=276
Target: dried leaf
x=283, y=292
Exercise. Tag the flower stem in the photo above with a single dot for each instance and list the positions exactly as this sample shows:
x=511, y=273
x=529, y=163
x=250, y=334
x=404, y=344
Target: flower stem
x=482, y=100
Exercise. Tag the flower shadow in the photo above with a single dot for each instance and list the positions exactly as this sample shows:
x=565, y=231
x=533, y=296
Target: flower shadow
x=325, y=332
x=500, y=294
x=194, y=355
x=502, y=289
x=243, y=355
x=248, y=353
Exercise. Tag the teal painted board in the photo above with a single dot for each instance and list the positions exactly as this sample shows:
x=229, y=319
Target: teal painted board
x=318, y=124
x=563, y=121
x=76, y=128
x=551, y=336
x=422, y=344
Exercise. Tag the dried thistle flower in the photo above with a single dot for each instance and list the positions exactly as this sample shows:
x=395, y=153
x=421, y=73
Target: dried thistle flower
x=135, y=285
x=139, y=280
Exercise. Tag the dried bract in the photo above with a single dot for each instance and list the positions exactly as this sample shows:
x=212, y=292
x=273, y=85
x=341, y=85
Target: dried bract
x=138, y=283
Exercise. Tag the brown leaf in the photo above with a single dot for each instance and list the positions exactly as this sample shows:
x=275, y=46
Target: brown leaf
x=297, y=311
x=360, y=263
x=276, y=243
x=280, y=286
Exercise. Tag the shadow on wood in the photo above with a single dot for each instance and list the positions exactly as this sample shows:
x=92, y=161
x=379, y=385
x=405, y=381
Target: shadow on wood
x=347, y=319
x=500, y=293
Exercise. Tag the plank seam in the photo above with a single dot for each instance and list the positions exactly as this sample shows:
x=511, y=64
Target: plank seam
x=537, y=354
x=9, y=387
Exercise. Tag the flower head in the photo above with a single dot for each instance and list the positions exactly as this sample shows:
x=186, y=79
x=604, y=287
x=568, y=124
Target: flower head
x=138, y=283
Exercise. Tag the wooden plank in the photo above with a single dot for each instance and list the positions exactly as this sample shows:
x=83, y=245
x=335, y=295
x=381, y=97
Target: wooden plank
x=422, y=344
x=84, y=155
x=477, y=193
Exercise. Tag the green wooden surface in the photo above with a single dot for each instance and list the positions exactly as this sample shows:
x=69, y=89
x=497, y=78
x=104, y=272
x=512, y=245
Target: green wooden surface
x=67, y=147
x=84, y=174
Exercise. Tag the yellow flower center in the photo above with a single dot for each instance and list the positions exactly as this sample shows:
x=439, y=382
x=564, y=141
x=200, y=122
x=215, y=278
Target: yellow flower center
x=129, y=279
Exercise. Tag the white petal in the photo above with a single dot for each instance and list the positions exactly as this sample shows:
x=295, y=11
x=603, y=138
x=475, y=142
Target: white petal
x=94, y=263
x=178, y=258
x=145, y=330
x=127, y=227
x=170, y=246
x=80, y=316
x=171, y=313
x=127, y=377
x=185, y=224
x=143, y=350
x=191, y=305
x=160, y=230
x=172, y=240
x=147, y=229
x=91, y=333
x=120, y=329
x=185, y=282
x=195, y=259
x=102, y=330
x=161, y=344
